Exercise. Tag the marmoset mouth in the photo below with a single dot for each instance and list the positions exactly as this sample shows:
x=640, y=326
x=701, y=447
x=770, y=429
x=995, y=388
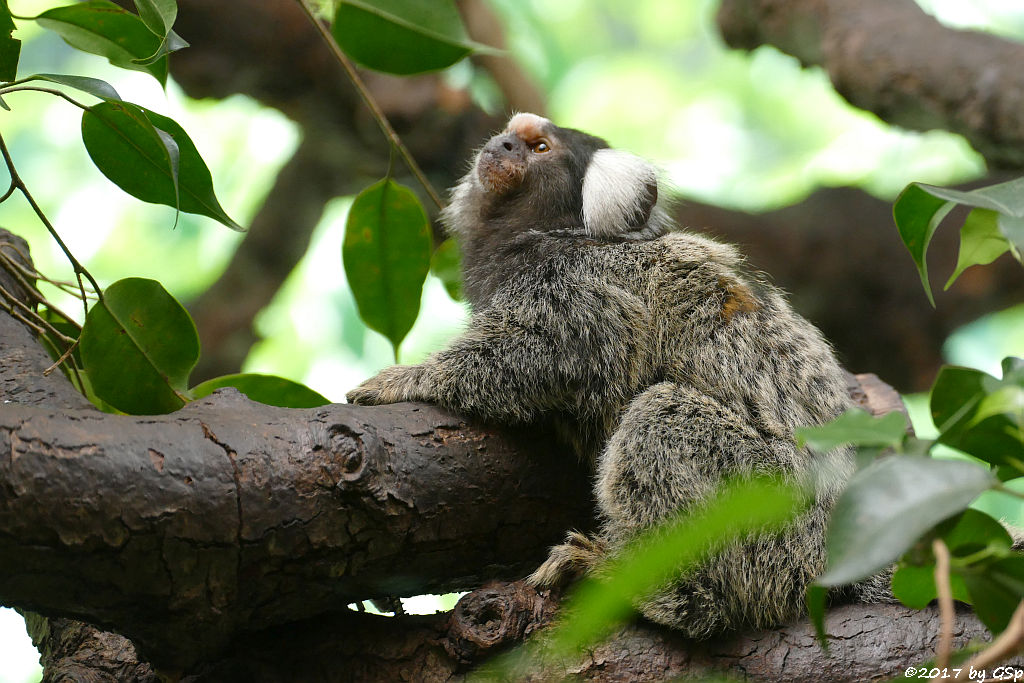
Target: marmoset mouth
x=499, y=174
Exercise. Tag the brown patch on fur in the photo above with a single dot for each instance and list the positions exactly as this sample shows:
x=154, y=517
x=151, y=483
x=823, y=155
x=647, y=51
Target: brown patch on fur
x=738, y=299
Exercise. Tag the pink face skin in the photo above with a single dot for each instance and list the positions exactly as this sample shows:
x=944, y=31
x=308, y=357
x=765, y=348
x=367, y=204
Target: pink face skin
x=529, y=127
x=501, y=165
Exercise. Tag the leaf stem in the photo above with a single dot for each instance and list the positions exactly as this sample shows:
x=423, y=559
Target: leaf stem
x=52, y=91
x=1007, y=644
x=371, y=104
x=17, y=182
x=945, y=591
x=966, y=562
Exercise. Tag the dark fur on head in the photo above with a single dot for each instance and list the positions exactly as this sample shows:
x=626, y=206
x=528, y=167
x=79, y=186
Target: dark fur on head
x=535, y=176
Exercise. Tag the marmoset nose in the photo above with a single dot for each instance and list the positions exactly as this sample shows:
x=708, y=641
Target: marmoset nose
x=505, y=145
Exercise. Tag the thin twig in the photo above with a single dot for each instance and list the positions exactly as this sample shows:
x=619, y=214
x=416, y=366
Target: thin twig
x=945, y=591
x=39, y=323
x=51, y=91
x=19, y=317
x=79, y=269
x=372, y=105
x=1009, y=643
x=63, y=357
x=19, y=273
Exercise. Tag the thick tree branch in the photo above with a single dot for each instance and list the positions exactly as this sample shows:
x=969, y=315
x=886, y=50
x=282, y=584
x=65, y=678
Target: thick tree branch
x=229, y=536
x=183, y=531
x=890, y=58
x=866, y=643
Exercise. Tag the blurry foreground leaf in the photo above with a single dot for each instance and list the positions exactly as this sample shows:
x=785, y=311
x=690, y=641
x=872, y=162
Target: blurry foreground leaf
x=816, y=599
x=888, y=505
x=855, y=426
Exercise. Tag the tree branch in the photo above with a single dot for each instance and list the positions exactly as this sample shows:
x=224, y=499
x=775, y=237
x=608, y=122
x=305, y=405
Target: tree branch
x=183, y=531
x=229, y=536
x=890, y=58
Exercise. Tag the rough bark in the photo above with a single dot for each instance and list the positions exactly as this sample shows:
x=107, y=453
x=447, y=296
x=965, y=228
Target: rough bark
x=891, y=58
x=182, y=531
x=866, y=643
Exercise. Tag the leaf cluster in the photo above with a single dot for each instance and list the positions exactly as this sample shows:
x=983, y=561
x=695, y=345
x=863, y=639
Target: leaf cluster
x=903, y=498
x=138, y=345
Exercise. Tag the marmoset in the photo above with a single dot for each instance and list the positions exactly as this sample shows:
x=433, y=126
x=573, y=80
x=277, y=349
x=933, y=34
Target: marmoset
x=665, y=360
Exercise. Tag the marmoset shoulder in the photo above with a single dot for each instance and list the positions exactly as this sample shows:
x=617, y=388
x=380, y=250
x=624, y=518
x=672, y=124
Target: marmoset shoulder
x=663, y=358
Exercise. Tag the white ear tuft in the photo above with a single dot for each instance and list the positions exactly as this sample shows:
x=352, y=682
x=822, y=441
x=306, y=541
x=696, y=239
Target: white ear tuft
x=619, y=192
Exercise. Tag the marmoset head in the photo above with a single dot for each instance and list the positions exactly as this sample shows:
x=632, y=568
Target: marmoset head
x=537, y=176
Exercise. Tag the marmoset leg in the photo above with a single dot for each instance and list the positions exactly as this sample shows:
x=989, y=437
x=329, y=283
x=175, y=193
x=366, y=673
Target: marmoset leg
x=670, y=452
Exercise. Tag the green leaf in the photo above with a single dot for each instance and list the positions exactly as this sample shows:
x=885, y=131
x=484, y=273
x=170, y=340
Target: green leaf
x=172, y=42
x=917, y=214
x=6, y=20
x=971, y=531
x=888, y=505
x=446, y=265
x=158, y=15
x=401, y=36
x=386, y=254
x=954, y=399
x=815, y=599
x=10, y=47
x=920, y=208
x=93, y=86
x=981, y=242
x=128, y=149
x=915, y=586
x=10, y=54
x=150, y=157
x=138, y=346
x=981, y=415
x=102, y=28
x=1012, y=228
x=996, y=592
x=268, y=389
x=858, y=427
